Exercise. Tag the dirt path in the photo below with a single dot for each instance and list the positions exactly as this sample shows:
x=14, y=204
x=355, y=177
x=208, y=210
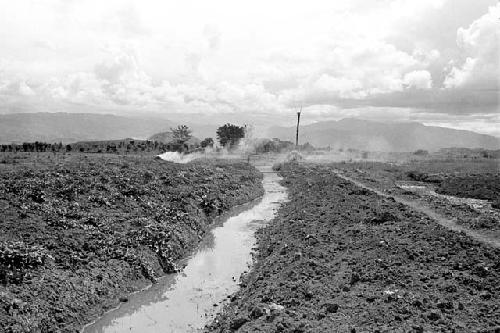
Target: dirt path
x=439, y=218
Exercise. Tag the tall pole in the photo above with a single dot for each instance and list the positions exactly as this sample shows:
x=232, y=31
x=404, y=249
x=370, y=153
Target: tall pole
x=297, y=133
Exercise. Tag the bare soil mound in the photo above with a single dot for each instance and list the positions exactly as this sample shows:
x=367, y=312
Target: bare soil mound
x=339, y=258
x=78, y=236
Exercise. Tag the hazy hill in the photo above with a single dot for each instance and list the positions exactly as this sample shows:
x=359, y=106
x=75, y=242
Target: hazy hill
x=168, y=136
x=72, y=127
x=164, y=137
x=377, y=136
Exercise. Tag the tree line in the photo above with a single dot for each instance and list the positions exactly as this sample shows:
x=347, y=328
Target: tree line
x=228, y=135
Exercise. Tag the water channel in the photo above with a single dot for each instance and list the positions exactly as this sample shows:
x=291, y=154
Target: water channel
x=187, y=301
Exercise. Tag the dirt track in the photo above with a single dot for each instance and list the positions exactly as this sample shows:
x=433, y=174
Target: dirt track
x=342, y=258
x=426, y=210
x=442, y=189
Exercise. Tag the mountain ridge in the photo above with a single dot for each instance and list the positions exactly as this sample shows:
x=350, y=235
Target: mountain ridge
x=72, y=127
x=345, y=133
x=378, y=136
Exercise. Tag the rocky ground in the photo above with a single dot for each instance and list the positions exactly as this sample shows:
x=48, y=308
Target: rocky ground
x=79, y=233
x=339, y=258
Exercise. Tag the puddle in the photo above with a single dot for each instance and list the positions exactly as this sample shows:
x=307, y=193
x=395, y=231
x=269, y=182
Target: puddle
x=187, y=301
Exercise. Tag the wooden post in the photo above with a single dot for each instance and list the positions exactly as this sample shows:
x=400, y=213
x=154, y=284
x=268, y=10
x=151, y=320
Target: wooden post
x=297, y=133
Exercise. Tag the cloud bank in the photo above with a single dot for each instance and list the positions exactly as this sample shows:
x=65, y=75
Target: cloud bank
x=431, y=61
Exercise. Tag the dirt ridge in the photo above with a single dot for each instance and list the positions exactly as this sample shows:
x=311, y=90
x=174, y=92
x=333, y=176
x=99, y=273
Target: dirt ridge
x=340, y=258
x=77, y=236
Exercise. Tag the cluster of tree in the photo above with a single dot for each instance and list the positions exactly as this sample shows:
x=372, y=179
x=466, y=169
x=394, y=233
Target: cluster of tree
x=117, y=146
x=113, y=146
x=228, y=135
x=33, y=147
x=421, y=152
x=208, y=142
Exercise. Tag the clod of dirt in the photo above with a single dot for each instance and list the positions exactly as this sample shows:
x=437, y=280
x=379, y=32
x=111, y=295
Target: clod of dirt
x=331, y=307
x=434, y=315
x=238, y=322
x=382, y=218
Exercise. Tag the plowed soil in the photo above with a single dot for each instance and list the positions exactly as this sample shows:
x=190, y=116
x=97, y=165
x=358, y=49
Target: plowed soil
x=467, y=192
x=78, y=234
x=339, y=258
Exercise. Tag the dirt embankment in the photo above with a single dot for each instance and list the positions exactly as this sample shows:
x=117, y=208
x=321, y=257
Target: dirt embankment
x=486, y=187
x=341, y=258
x=77, y=237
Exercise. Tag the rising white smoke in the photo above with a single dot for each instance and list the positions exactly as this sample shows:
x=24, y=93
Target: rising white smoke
x=173, y=156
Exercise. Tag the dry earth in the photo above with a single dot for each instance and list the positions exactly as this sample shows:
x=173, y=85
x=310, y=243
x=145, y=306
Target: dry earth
x=467, y=192
x=339, y=258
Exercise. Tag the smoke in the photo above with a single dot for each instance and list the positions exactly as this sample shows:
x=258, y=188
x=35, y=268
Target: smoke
x=239, y=152
x=173, y=156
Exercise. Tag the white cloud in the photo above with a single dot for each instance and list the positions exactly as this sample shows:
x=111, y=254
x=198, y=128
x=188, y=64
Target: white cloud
x=25, y=90
x=459, y=76
x=418, y=79
x=345, y=88
x=15, y=86
x=480, y=43
x=260, y=56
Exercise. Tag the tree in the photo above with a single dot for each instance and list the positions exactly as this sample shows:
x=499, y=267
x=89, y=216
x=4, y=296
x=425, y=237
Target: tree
x=230, y=134
x=208, y=142
x=181, y=134
x=421, y=152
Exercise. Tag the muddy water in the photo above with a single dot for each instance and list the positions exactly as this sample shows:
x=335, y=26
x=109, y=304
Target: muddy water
x=187, y=301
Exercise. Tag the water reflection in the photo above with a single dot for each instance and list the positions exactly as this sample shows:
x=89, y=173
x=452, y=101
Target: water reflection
x=187, y=301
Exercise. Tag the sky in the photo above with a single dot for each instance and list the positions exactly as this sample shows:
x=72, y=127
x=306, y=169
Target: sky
x=432, y=61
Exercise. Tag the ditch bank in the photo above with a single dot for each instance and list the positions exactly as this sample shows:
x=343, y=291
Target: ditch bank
x=188, y=300
x=79, y=236
x=342, y=258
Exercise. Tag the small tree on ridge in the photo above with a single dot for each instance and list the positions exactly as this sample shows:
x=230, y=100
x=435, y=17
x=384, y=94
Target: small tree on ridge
x=230, y=135
x=181, y=134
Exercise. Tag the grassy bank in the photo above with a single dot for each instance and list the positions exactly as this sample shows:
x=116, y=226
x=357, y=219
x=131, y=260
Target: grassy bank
x=339, y=258
x=78, y=233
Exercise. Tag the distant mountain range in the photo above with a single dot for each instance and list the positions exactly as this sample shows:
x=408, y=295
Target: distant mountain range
x=346, y=133
x=73, y=127
x=378, y=136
